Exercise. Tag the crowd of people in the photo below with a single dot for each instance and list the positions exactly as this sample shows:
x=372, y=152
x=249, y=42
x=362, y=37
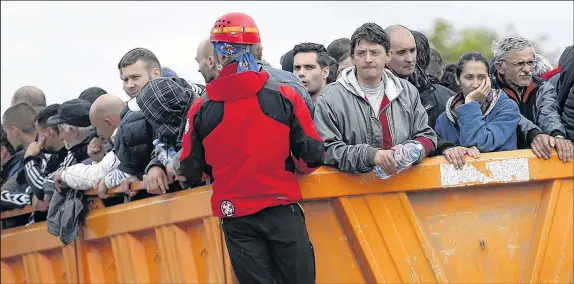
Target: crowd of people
x=252, y=126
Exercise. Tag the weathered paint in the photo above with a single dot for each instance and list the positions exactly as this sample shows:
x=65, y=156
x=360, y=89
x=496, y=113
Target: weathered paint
x=500, y=171
x=500, y=228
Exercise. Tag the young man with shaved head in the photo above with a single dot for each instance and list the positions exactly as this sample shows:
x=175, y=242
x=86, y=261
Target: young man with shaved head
x=18, y=123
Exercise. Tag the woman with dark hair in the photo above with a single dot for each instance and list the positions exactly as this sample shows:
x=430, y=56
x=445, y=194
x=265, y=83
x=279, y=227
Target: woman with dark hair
x=477, y=119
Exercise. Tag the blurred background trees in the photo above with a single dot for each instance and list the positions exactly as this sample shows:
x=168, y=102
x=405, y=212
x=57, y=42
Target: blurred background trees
x=452, y=43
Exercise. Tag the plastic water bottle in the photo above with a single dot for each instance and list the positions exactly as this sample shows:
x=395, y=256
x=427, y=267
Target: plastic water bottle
x=170, y=154
x=161, y=153
x=405, y=156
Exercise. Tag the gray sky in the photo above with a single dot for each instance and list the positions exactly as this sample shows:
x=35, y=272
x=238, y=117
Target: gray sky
x=66, y=47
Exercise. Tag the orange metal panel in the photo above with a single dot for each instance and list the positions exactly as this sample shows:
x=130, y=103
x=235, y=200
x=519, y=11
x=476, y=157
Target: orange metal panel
x=505, y=218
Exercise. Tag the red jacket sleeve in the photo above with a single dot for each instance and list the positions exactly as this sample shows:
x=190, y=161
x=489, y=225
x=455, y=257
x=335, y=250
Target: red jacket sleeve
x=307, y=148
x=192, y=159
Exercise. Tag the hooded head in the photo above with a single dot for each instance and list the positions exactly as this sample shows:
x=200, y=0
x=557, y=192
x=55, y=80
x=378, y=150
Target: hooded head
x=168, y=73
x=163, y=103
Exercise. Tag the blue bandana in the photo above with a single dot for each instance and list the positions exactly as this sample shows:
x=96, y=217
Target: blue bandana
x=245, y=62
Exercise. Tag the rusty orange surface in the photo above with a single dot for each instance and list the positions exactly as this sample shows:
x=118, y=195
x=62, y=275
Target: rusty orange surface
x=505, y=218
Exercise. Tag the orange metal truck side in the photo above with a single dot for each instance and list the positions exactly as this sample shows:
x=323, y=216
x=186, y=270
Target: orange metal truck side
x=506, y=218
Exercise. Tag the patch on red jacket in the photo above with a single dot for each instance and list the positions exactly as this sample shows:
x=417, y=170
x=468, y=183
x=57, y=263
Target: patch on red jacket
x=227, y=208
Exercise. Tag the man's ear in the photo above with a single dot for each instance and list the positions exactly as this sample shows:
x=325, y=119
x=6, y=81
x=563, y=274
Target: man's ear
x=4, y=151
x=155, y=73
x=499, y=68
x=211, y=61
x=260, y=53
x=108, y=121
x=325, y=72
x=15, y=131
x=50, y=132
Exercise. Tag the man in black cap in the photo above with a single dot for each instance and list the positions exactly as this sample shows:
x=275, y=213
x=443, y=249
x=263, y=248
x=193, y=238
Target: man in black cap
x=74, y=127
x=73, y=121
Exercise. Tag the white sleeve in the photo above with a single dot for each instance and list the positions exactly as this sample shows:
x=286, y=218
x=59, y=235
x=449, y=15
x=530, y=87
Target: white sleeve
x=84, y=177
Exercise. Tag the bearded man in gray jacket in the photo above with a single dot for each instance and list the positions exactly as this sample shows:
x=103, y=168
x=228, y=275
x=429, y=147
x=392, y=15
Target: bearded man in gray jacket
x=368, y=111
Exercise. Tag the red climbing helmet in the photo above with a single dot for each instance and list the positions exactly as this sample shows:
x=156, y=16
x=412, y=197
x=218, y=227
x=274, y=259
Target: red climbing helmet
x=235, y=28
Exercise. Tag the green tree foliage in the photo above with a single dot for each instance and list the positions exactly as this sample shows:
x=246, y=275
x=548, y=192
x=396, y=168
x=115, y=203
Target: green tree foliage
x=451, y=43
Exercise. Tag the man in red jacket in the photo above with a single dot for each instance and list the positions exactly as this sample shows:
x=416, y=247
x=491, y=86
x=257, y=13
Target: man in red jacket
x=250, y=133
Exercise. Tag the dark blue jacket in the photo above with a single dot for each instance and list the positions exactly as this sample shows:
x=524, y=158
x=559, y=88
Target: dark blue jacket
x=493, y=131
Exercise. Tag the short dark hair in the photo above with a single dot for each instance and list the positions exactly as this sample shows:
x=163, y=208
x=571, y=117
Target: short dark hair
x=319, y=49
x=5, y=143
x=145, y=55
x=338, y=48
x=91, y=94
x=435, y=64
x=344, y=57
x=470, y=56
x=20, y=116
x=287, y=61
x=370, y=32
x=333, y=68
x=449, y=78
x=423, y=49
x=43, y=115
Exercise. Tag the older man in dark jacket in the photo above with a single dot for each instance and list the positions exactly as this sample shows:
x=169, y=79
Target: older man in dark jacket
x=540, y=127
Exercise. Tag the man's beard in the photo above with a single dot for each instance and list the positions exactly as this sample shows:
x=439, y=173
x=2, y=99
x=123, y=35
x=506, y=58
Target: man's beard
x=72, y=144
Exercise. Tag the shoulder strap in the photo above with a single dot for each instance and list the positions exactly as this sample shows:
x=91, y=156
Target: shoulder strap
x=271, y=84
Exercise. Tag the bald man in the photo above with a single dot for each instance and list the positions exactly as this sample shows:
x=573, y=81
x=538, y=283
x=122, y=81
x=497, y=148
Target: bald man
x=30, y=95
x=105, y=117
x=403, y=51
x=433, y=96
x=206, y=61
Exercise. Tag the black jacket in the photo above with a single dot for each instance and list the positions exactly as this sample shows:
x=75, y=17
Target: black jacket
x=133, y=143
x=538, y=108
x=568, y=115
x=566, y=78
x=68, y=208
x=434, y=97
x=39, y=168
x=11, y=167
x=566, y=95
